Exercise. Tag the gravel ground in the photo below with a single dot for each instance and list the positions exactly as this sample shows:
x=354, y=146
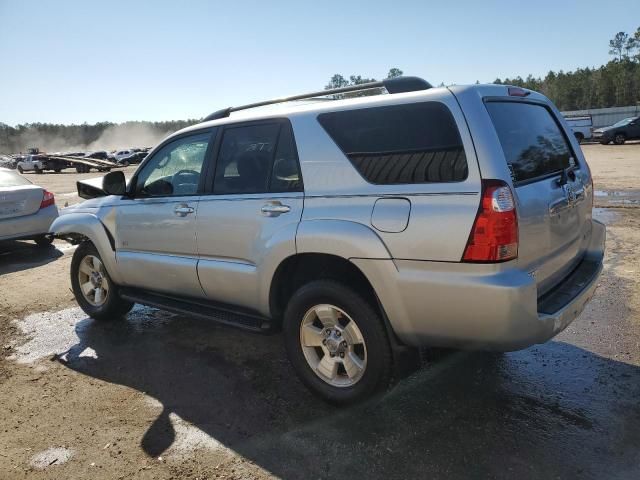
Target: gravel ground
x=166, y=396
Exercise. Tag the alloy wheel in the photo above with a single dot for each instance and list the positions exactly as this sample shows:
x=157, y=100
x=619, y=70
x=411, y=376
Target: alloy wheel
x=93, y=280
x=333, y=345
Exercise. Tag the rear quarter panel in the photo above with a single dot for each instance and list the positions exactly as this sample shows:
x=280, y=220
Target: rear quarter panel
x=441, y=214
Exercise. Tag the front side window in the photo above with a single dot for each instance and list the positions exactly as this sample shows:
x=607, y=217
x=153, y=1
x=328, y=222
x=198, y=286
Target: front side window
x=175, y=169
x=257, y=158
x=400, y=144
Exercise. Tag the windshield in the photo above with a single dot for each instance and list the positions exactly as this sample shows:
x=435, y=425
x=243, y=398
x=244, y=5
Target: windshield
x=624, y=122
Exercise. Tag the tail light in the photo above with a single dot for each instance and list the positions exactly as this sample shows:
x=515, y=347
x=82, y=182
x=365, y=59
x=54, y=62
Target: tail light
x=494, y=236
x=47, y=199
x=517, y=92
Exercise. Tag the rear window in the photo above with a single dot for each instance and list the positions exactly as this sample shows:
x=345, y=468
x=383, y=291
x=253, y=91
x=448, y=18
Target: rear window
x=400, y=144
x=533, y=144
x=11, y=179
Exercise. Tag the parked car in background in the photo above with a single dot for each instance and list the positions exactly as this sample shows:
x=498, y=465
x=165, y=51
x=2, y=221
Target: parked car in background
x=618, y=133
x=582, y=126
x=362, y=228
x=35, y=163
x=99, y=155
x=118, y=154
x=26, y=210
x=8, y=162
x=132, y=159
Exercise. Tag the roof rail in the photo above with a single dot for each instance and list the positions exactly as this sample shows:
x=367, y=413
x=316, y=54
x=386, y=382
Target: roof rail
x=392, y=85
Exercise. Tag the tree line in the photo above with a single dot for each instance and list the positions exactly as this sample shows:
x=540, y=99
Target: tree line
x=612, y=85
x=616, y=84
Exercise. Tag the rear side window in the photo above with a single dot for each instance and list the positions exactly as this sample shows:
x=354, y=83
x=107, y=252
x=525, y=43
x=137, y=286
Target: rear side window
x=11, y=179
x=533, y=144
x=400, y=144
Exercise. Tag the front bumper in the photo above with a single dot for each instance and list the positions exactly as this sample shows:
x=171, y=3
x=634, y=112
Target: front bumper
x=28, y=226
x=481, y=307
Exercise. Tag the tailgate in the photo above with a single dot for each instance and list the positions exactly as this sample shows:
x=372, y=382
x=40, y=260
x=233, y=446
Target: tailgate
x=552, y=187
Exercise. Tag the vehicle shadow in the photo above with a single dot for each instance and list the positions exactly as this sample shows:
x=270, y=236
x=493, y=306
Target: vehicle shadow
x=551, y=411
x=16, y=256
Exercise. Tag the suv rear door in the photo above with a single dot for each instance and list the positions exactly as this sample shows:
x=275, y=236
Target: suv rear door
x=520, y=138
x=250, y=213
x=551, y=186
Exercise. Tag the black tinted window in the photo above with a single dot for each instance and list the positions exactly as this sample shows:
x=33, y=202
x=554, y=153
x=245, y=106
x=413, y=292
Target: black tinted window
x=257, y=159
x=285, y=176
x=532, y=141
x=416, y=143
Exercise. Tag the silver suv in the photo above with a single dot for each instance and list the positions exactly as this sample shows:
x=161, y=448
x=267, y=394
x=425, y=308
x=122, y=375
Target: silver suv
x=361, y=227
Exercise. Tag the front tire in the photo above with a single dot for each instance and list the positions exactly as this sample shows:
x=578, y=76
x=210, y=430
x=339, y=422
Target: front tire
x=94, y=290
x=337, y=342
x=619, y=139
x=20, y=170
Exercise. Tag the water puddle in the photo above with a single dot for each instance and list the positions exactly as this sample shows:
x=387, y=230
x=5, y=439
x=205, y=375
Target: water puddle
x=605, y=215
x=54, y=333
x=612, y=198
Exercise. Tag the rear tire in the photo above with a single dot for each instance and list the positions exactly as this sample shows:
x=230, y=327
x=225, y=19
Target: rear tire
x=357, y=358
x=94, y=290
x=619, y=139
x=604, y=143
x=579, y=137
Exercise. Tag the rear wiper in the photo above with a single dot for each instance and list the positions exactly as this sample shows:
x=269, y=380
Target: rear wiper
x=566, y=175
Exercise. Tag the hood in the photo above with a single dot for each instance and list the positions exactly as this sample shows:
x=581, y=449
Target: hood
x=603, y=129
x=90, y=205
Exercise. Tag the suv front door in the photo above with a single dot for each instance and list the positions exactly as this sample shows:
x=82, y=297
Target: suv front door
x=248, y=218
x=155, y=230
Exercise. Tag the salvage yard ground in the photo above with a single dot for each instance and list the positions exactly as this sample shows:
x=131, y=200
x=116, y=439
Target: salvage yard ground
x=166, y=396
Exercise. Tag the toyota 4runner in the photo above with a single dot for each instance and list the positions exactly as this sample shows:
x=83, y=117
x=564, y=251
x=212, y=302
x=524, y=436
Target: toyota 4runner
x=361, y=228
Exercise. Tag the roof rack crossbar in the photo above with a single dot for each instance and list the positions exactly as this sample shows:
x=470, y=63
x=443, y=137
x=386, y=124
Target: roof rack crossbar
x=393, y=85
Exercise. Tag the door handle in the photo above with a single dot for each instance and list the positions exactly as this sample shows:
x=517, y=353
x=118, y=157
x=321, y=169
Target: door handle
x=183, y=210
x=274, y=209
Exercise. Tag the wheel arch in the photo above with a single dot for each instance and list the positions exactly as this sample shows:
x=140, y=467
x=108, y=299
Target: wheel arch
x=75, y=227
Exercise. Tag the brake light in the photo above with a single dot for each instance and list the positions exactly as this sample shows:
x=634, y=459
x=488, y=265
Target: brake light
x=494, y=236
x=47, y=199
x=517, y=92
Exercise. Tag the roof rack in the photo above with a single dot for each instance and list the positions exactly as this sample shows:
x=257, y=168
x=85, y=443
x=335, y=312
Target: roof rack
x=392, y=85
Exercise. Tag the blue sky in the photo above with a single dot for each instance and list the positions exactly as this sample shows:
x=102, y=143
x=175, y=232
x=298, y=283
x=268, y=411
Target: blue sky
x=88, y=61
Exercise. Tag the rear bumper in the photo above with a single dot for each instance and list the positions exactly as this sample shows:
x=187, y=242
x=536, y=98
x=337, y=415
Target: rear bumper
x=28, y=226
x=480, y=306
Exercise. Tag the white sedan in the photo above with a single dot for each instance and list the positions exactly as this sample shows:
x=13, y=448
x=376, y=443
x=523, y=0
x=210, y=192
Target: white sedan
x=26, y=210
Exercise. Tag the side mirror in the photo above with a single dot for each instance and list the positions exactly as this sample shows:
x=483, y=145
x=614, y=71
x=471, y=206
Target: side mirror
x=114, y=183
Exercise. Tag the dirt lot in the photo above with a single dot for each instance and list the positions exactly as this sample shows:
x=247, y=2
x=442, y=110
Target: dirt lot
x=165, y=396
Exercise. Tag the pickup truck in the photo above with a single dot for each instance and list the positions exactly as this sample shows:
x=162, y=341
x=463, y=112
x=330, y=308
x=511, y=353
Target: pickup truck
x=582, y=126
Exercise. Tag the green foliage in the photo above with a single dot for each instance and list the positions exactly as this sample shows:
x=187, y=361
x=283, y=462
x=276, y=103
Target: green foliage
x=616, y=84
x=338, y=81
